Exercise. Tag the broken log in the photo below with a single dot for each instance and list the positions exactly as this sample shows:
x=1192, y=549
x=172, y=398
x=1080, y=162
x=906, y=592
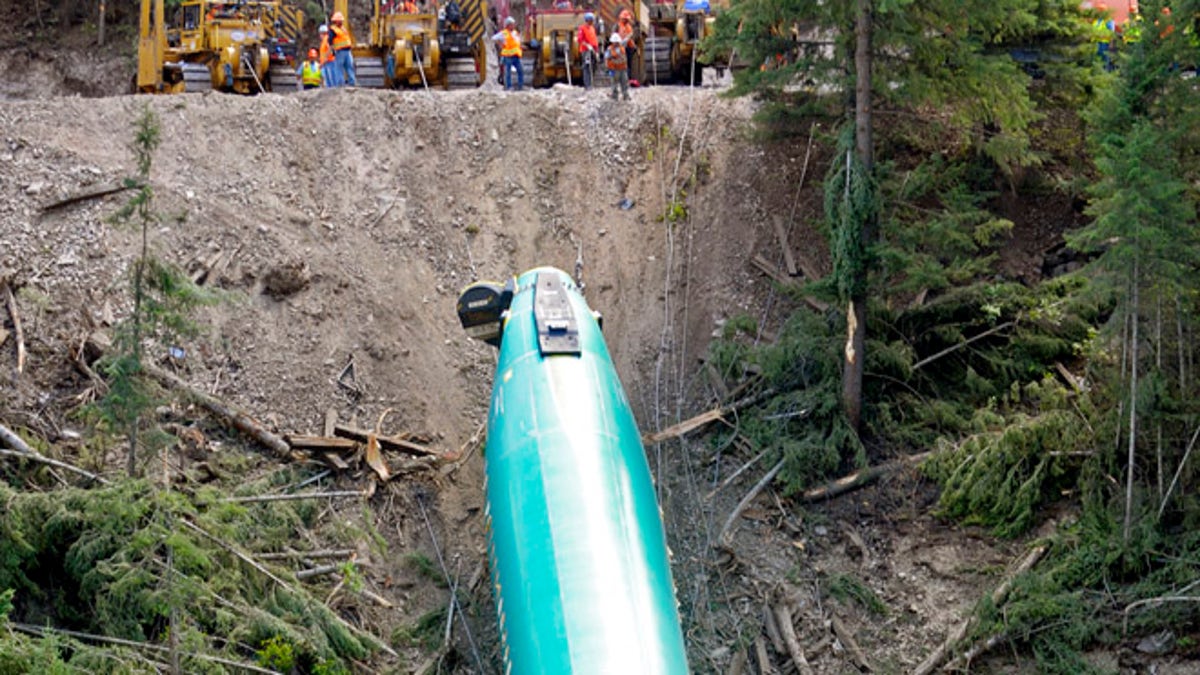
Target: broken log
x=760, y=654
x=18, y=333
x=788, y=260
x=92, y=192
x=389, y=442
x=861, y=478
x=239, y=419
x=954, y=641
x=685, y=426
x=783, y=617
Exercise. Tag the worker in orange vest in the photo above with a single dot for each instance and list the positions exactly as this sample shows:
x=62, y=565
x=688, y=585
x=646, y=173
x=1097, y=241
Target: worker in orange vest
x=339, y=39
x=589, y=47
x=625, y=30
x=329, y=71
x=509, y=40
x=408, y=7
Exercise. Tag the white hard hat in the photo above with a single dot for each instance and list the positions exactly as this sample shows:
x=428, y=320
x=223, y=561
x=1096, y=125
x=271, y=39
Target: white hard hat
x=614, y=38
x=509, y=21
x=589, y=17
x=323, y=29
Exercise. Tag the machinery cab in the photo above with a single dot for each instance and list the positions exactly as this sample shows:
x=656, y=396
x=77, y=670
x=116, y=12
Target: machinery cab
x=410, y=35
x=225, y=39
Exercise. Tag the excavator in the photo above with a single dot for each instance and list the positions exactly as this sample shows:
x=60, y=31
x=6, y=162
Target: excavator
x=425, y=48
x=243, y=47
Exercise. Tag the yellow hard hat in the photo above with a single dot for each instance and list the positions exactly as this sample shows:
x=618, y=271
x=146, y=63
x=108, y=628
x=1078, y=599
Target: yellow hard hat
x=337, y=17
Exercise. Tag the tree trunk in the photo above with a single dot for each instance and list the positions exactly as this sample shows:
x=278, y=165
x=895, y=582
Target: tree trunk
x=1133, y=381
x=856, y=313
x=100, y=28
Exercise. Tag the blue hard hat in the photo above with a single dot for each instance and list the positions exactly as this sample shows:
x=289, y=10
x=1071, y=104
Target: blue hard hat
x=589, y=17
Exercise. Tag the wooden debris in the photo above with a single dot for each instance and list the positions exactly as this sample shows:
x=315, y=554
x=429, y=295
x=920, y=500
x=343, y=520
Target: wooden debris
x=335, y=460
x=4, y=335
x=847, y=639
x=91, y=192
x=375, y=460
x=293, y=497
x=237, y=418
x=324, y=569
x=18, y=333
x=685, y=426
x=1062, y=370
x=954, y=642
x=789, y=261
x=725, y=537
x=783, y=617
x=861, y=478
x=387, y=442
x=303, y=442
x=760, y=655
x=330, y=421
x=204, y=270
x=323, y=553
x=782, y=279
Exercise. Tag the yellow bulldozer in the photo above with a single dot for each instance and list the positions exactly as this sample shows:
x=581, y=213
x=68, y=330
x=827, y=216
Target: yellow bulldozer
x=432, y=47
x=243, y=47
x=671, y=52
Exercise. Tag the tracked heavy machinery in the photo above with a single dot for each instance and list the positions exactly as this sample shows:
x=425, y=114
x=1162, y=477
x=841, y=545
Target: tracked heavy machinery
x=405, y=49
x=672, y=42
x=224, y=46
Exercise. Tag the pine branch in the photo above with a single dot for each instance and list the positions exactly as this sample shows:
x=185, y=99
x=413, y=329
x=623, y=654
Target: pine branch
x=90, y=637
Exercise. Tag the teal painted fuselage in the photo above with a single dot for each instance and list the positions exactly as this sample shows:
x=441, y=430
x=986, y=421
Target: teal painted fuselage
x=579, y=558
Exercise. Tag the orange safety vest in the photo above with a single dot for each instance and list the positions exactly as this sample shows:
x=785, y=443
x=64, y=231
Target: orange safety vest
x=625, y=29
x=341, y=39
x=614, y=58
x=326, y=51
x=512, y=43
x=409, y=8
x=587, y=36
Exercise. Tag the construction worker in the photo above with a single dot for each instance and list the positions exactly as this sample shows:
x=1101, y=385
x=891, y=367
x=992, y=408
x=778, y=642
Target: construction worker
x=1103, y=29
x=408, y=7
x=589, y=47
x=618, y=66
x=329, y=70
x=625, y=30
x=509, y=40
x=339, y=39
x=310, y=72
